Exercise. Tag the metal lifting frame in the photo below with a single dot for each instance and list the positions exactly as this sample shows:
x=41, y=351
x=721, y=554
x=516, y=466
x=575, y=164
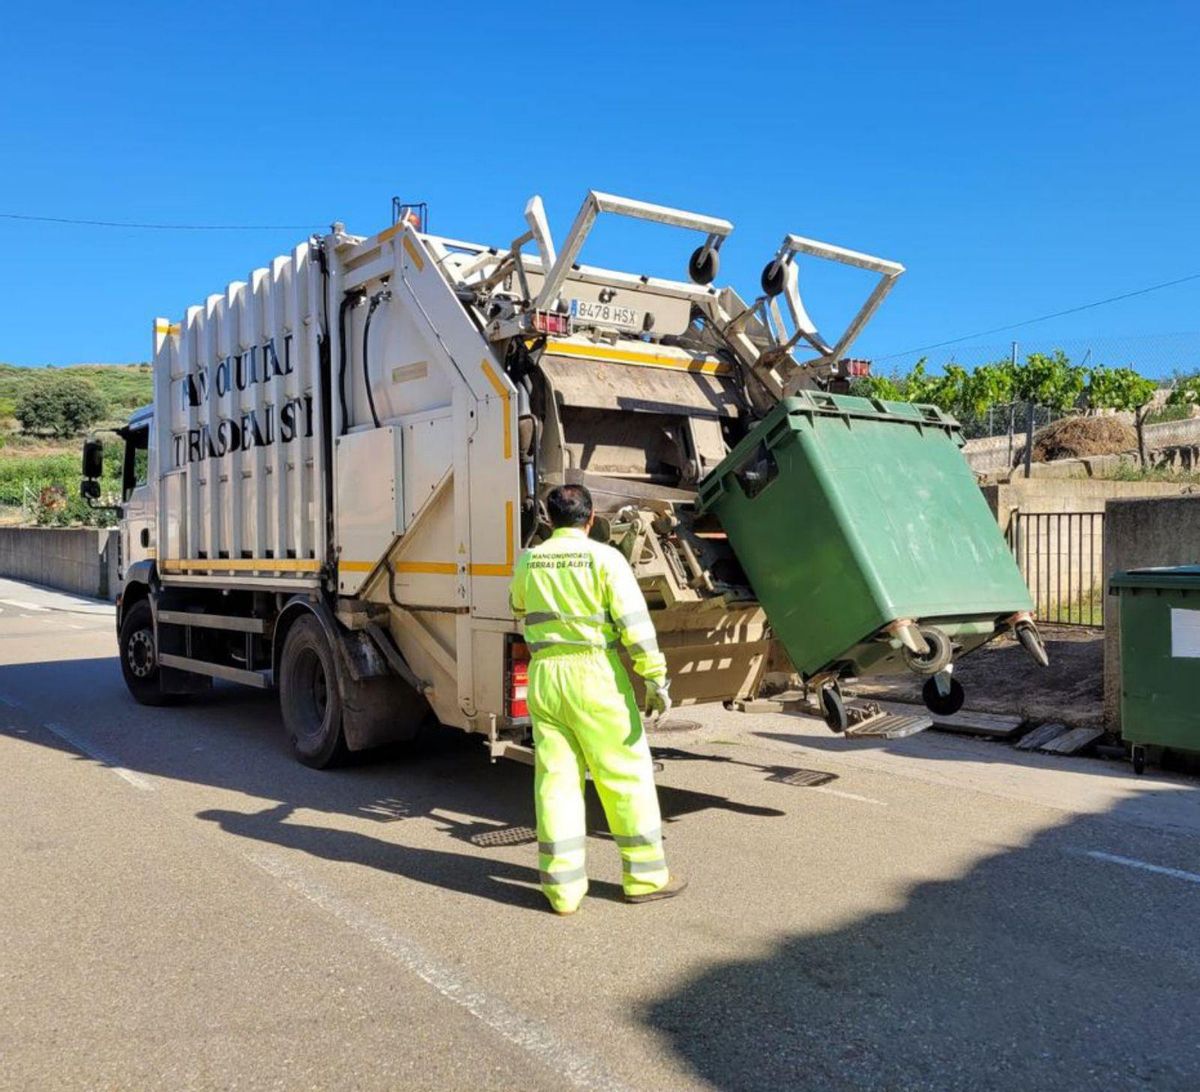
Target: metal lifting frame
x=803, y=326
x=716, y=230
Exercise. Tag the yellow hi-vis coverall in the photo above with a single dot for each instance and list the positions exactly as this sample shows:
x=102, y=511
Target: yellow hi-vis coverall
x=576, y=597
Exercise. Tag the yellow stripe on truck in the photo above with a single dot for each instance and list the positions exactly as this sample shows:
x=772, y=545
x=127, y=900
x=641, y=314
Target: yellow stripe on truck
x=449, y=568
x=241, y=564
x=499, y=387
x=706, y=365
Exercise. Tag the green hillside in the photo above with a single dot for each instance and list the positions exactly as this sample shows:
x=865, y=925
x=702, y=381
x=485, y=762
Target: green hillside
x=39, y=475
x=123, y=386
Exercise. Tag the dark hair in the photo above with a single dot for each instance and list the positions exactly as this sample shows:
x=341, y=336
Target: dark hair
x=569, y=505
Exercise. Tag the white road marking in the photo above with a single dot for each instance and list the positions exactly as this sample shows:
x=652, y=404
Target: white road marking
x=24, y=605
x=849, y=796
x=105, y=759
x=567, y=1060
x=1145, y=866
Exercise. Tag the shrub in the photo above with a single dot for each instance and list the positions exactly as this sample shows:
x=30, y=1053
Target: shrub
x=59, y=404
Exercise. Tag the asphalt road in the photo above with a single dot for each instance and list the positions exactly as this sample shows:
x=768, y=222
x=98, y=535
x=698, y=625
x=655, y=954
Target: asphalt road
x=183, y=906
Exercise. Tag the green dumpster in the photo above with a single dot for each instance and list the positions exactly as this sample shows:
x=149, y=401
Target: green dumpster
x=859, y=525
x=1160, y=658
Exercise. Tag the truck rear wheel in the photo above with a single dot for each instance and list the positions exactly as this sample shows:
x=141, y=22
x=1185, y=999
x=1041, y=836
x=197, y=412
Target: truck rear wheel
x=139, y=656
x=309, y=696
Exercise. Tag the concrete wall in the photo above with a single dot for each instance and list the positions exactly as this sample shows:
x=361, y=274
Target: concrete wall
x=1140, y=533
x=1061, y=554
x=79, y=560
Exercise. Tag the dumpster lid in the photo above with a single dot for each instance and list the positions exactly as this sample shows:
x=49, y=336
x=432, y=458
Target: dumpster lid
x=1162, y=576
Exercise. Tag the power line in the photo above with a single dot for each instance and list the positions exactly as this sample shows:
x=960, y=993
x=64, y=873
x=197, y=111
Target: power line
x=1043, y=318
x=155, y=227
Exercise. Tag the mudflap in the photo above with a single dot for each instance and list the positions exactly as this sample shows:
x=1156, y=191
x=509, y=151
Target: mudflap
x=173, y=681
x=377, y=706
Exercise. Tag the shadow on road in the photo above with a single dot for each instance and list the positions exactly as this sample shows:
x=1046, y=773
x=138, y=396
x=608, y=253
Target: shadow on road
x=1039, y=968
x=232, y=738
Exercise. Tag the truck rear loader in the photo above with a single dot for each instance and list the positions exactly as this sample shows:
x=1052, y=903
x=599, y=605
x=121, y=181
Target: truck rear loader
x=347, y=450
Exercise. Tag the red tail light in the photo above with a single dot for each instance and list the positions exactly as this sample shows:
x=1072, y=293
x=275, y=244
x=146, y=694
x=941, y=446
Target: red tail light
x=551, y=322
x=516, y=683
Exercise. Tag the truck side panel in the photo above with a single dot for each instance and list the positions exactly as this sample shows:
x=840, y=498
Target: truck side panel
x=241, y=429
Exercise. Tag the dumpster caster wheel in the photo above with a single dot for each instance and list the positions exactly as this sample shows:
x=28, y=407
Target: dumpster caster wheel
x=943, y=705
x=1139, y=760
x=1032, y=642
x=833, y=708
x=938, y=656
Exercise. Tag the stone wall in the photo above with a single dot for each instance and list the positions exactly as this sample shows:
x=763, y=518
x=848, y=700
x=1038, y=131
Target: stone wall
x=79, y=560
x=990, y=455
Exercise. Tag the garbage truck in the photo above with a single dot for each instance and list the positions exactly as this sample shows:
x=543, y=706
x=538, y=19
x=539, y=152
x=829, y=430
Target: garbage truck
x=347, y=451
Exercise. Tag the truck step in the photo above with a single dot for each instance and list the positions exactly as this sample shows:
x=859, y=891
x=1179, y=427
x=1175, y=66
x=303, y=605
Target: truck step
x=211, y=621
x=261, y=679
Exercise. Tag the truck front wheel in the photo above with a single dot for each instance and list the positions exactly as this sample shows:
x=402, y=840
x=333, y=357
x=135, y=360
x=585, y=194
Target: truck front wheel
x=309, y=697
x=139, y=656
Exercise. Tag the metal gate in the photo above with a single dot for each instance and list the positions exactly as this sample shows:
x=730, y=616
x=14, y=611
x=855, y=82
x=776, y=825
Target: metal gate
x=1061, y=557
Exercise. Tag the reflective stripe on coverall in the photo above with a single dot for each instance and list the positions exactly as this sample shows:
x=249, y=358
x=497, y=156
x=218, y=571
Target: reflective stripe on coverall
x=577, y=598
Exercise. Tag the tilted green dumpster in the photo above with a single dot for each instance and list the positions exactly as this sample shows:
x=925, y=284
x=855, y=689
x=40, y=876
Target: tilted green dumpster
x=852, y=515
x=1160, y=658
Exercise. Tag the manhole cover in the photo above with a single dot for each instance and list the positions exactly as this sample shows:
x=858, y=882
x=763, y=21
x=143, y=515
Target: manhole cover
x=505, y=836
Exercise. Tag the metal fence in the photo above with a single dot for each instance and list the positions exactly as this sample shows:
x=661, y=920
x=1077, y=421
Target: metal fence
x=1061, y=557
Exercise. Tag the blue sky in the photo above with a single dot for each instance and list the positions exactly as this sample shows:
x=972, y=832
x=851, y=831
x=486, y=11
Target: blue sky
x=1018, y=158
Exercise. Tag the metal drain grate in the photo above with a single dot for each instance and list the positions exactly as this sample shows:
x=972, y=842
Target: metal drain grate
x=504, y=836
x=674, y=724
x=388, y=810
x=803, y=779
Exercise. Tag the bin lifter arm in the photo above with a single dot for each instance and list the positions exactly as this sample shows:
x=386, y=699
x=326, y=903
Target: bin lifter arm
x=781, y=277
x=716, y=230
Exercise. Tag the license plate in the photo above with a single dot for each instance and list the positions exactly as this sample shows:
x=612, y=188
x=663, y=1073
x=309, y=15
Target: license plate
x=605, y=314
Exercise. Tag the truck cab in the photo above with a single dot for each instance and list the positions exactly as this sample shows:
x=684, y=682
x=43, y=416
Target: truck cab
x=138, y=504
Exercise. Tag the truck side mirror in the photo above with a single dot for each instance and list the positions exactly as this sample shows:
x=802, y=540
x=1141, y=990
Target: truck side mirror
x=93, y=461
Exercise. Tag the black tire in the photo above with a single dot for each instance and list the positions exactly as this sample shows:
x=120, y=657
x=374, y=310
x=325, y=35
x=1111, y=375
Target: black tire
x=941, y=652
x=703, y=265
x=139, y=656
x=1139, y=760
x=943, y=705
x=308, y=696
x=833, y=708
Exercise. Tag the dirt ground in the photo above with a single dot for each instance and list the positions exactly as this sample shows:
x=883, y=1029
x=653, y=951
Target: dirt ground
x=1001, y=678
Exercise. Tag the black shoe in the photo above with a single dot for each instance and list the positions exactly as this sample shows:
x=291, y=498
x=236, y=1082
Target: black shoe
x=676, y=885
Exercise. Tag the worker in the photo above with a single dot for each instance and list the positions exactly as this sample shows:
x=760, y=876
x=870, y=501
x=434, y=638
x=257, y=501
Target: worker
x=577, y=597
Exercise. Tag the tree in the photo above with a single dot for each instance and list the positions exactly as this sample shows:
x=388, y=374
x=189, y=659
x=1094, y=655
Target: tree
x=885, y=388
x=1051, y=381
x=1122, y=389
x=1118, y=389
x=59, y=404
x=1185, y=390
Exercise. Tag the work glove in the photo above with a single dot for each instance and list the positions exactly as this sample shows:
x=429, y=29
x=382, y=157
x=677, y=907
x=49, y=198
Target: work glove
x=658, y=699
